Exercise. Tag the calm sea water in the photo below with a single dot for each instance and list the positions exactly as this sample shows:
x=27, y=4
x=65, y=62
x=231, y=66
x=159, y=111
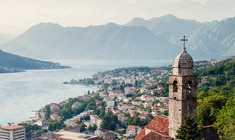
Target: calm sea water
x=21, y=93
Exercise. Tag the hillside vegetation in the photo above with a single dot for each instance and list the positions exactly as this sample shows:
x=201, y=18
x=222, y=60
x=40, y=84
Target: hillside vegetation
x=220, y=75
x=216, y=97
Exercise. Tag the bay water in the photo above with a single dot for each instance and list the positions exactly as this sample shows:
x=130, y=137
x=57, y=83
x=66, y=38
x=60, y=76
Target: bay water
x=24, y=92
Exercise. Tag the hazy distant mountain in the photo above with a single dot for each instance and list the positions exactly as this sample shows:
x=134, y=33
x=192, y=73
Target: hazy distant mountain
x=5, y=37
x=110, y=41
x=156, y=38
x=167, y=27
x=214, y=39
x=14, y=63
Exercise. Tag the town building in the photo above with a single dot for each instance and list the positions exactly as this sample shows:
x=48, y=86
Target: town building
x=68, y=135
x=105, y=134
x=94, y=119
x=109, y=102
x=132, y=130
x=12, y=132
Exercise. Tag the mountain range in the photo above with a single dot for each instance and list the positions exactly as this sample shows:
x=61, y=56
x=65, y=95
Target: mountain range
x=157, y=38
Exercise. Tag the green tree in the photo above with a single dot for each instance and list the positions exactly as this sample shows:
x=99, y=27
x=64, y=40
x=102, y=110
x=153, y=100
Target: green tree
x=134, y=120
x=91, y=105
x=105, y=86
x=225, y=122
x=209, y=106
x=47, y=112
x=165, y=112
x=86, y=117
x=92, y=127
x=102, y=113
x=54, y=125
x=88, y=92
x=80, y=109
x=66, y=111
x=188, y=130
x=109, y=121
x=82, y=127
x=31, y=129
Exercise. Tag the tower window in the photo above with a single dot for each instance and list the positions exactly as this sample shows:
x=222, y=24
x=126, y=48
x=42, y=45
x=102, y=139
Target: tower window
x=189, y=86
x=175, y=86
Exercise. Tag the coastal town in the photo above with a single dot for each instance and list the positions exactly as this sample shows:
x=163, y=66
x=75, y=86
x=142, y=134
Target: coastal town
x=131, y=96
x=125, y=101
x=134, y=95
x=117, y=70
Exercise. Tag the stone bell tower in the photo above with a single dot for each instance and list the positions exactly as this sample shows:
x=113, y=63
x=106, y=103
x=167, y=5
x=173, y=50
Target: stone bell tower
x=182, y=90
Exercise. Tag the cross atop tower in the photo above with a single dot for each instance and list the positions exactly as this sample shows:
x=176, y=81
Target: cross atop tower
x=184, y=40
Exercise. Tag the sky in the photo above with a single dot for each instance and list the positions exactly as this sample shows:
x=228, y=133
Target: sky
x=19, y=15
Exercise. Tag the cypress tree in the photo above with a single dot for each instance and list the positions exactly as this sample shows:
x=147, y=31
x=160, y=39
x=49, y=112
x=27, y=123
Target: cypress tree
x=188, y=130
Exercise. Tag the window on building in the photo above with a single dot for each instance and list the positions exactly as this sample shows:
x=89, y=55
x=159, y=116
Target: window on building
x=175, y=86
x=189, y=86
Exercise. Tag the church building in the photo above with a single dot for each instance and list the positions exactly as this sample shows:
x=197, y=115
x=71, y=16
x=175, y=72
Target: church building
x=182, y=103
x=182, y=100
x=182, y=91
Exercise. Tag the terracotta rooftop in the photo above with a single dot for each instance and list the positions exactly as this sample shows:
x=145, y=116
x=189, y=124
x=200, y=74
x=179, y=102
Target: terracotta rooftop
x=155, y=136
x=159, y=124
x=144, y=115
x=157, y=129
x=140, y=135
x=131, y=127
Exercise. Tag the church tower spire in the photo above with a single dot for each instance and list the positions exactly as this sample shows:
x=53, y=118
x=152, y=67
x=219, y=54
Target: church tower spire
x=182, y=90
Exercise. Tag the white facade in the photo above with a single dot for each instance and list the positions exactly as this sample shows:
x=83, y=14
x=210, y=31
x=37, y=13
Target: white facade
x=12, y=132
x=96, y=120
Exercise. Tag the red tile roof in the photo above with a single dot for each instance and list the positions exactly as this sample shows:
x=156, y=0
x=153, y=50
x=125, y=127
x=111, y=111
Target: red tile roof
x=155, y=136
x=159, y=124
x=157, y=130
x=131, y=127
x=144, y=115
x=140, y=135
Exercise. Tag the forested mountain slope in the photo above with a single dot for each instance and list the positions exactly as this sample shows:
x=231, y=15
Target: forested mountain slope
x=219, y=75
x=216, y=101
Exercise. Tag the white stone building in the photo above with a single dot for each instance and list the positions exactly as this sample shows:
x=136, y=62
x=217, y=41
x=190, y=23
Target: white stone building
x=12, y=132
